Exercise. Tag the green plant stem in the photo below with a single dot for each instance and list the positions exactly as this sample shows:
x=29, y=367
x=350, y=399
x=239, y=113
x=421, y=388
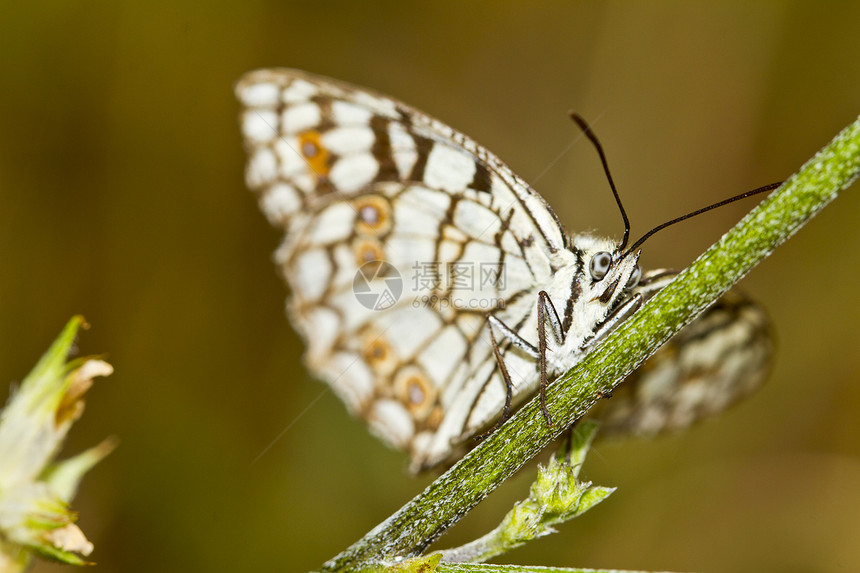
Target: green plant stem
x=418, y=523
x=488, y=568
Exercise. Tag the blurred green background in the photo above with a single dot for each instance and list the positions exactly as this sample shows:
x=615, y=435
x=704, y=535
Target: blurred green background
x=122, y=198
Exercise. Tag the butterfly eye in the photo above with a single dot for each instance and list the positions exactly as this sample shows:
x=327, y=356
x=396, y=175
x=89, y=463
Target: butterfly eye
x=600, y=264
x=634, y=277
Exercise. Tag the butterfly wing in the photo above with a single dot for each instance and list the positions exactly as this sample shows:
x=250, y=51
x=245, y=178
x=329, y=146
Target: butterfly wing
x=715, y=361
x=396, y=230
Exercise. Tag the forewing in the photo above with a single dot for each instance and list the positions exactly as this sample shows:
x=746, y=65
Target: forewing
x=359, y=182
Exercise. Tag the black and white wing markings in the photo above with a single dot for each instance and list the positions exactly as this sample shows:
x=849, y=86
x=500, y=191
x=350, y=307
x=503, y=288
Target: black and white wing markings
x=308, y=136
x=353, y=178
x=358, y=180
x=717, y=360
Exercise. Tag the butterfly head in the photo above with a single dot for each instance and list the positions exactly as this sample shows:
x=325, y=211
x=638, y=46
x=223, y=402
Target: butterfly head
x=610, y=273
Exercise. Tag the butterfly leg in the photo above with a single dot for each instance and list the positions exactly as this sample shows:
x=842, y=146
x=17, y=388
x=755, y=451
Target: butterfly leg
x=509, y=387
x=620, y=315
x=545, y=317
x=515, y=338
x=520, y=343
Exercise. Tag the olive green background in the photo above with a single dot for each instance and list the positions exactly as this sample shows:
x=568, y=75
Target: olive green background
x=122, y=198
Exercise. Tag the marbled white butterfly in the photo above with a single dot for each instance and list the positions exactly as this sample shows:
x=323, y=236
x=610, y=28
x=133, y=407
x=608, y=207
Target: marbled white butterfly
x=421, y=267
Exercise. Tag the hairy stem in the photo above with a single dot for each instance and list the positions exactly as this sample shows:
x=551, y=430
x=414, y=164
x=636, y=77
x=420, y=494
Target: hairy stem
x=418, y=523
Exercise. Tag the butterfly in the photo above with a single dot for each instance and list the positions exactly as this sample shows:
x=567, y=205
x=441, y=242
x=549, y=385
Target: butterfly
x=435, y=289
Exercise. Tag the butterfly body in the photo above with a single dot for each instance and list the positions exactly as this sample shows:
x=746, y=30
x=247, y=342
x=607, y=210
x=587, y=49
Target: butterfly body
x=411, y=252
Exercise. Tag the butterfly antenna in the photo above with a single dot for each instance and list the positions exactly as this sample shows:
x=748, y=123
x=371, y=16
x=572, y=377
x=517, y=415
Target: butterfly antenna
x=586, y=129
x=644, y=237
